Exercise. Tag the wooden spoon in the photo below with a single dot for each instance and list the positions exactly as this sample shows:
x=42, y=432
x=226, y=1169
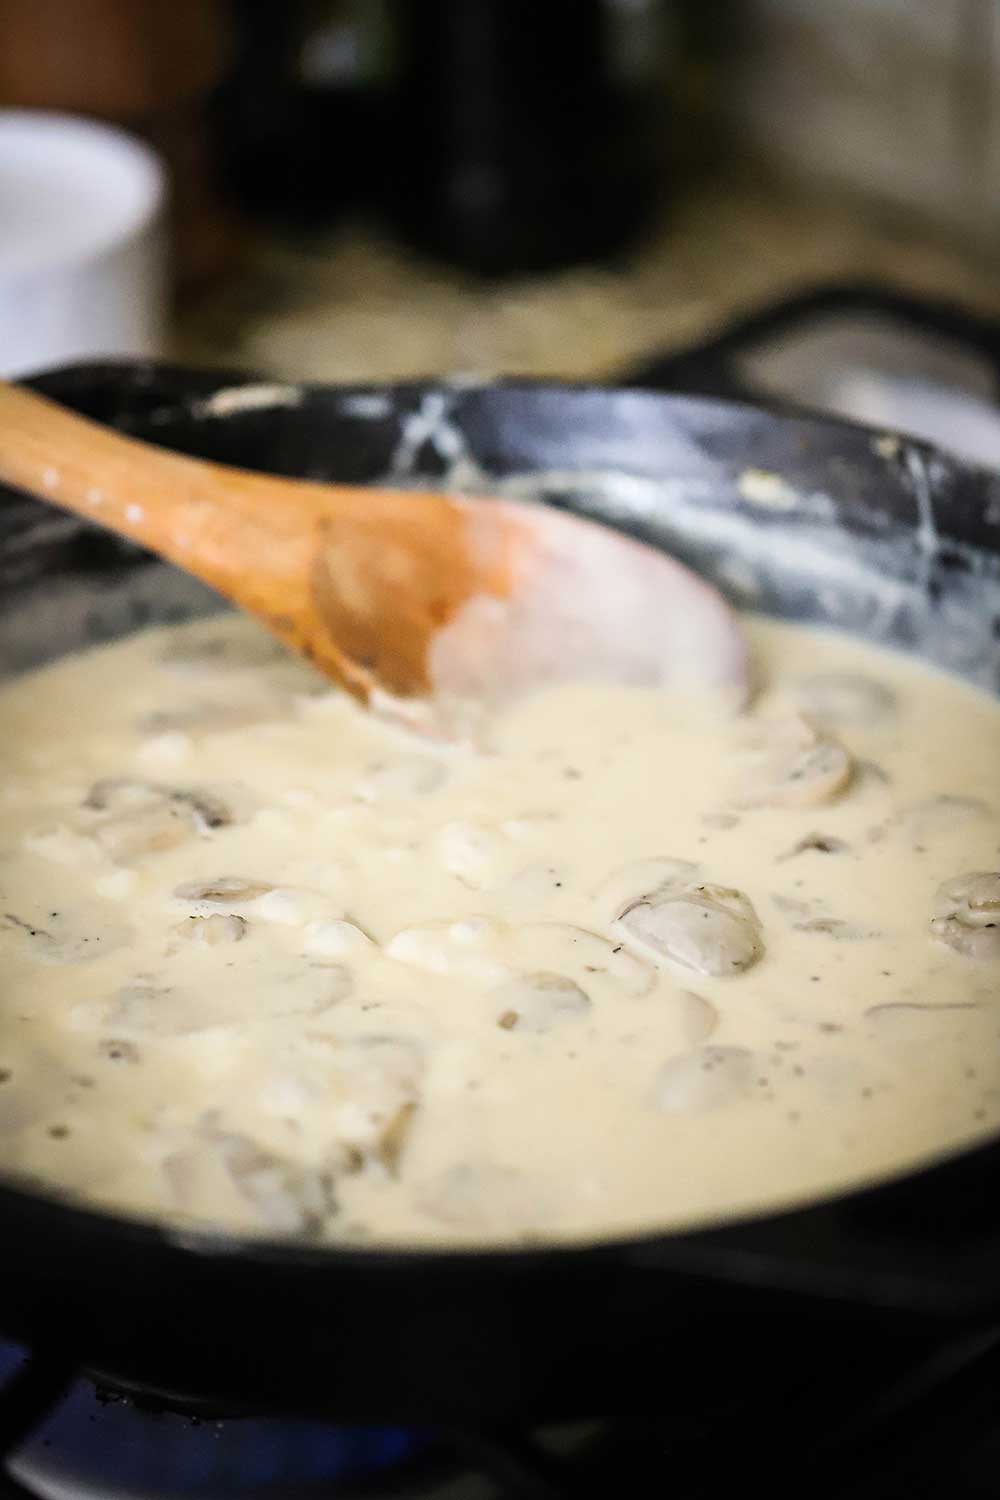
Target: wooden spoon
x=399, y=597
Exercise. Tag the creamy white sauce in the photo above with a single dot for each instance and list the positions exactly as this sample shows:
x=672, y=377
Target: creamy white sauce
x=272, y=964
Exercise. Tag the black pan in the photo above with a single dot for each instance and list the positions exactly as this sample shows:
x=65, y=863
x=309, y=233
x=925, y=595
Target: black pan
x=875, y=534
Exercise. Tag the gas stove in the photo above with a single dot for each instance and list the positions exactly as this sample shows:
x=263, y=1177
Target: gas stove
x=870, y=1423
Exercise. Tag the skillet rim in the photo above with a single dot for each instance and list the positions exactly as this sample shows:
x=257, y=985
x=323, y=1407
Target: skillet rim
x=70, y=384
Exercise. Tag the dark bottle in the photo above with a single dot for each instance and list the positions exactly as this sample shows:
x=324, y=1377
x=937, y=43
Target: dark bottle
x=297, y=118
x=522, y=134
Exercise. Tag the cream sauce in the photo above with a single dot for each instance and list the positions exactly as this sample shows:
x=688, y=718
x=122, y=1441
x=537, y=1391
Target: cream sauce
x=272, y=964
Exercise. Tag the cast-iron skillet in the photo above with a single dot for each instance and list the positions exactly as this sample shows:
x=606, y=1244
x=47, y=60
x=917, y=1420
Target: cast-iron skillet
x=832, y=523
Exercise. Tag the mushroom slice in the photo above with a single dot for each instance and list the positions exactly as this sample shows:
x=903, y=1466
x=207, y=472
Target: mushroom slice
x=967, y=915
x=710, y=1078
x=119, y=1050
x=124, y=796
x=224, y=890
x=378, y=1086
x=290, y=1198
x=603, y=969
x=392, y=1144
x=211, y=931
x=149, y=830
x=638, y=880
x=815, y=843
x=539, y=1002
x=838, y=700
x=486, y=954
x=206, y=809
x=711, y=929
x=811, y=916
x=145, y=817
x=791, y=765
x=121, y=794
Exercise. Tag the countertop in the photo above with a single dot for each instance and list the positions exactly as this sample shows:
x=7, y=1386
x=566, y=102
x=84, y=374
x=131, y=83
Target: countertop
x=351, y=306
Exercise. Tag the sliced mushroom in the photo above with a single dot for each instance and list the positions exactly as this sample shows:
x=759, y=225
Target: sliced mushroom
x=378, y=1086
x=145, y=817
x=125, y=796
x=539, y=1002
x=392, y=1142
x=707, y=1079
x=836, y=927
x=485, y=953
x=224, y=890
x=812, y=916
x=967, y=915
x=792, y=765
x=638, y=880
x=212, y=931
x=122, y=794
x=711, y=929
x=208, y=810
x=815, y=843
x=841, y=700
x=148, y=830
x=290, y=1198
x=604, y=970
x=119, y=1050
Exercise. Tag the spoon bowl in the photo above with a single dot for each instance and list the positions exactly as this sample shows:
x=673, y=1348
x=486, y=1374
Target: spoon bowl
x=409, y=600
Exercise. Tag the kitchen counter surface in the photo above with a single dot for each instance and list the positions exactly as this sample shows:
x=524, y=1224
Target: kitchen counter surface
x=351, y=306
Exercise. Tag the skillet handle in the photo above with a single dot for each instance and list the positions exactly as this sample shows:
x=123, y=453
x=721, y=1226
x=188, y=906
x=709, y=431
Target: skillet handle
x=710, y=368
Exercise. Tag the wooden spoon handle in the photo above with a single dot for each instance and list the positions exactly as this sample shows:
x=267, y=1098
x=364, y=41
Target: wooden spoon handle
x=359, y=580
x=207, y=518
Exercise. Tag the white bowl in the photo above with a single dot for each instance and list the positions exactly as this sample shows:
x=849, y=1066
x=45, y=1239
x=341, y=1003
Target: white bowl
x=82, y=243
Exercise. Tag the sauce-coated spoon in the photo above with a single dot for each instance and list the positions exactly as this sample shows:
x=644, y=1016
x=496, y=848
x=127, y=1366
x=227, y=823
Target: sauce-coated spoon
x=396, y=596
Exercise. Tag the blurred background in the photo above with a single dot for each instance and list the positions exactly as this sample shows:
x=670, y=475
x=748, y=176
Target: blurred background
x=360, y=190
